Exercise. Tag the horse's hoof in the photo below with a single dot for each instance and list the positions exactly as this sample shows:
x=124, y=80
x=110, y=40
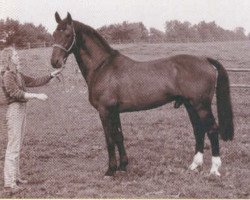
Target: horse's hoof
x=122, y=169
x=110, y=172
x=197, y=161
x=121, y=172
x=109, y=178
x=214, y=173
x=194, y=167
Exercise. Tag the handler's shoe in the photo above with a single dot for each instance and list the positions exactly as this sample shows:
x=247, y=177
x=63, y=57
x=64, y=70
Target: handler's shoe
x=21, y=181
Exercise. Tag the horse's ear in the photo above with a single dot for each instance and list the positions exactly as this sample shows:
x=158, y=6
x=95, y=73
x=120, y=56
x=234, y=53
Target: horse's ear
x=58, y=18
x=69, y=19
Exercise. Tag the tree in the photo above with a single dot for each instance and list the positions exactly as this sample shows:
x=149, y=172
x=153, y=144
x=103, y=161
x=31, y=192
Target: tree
x=194, y=34
x=12, y=32
x=240, y=33
x=124, y=32
x=177, y=31
x=156, y=35
x=9, y=30
x=172, y=30
x=138, y=32
x=206, y=31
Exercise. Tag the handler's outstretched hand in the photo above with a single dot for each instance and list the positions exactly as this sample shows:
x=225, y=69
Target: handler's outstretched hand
x=42, y=96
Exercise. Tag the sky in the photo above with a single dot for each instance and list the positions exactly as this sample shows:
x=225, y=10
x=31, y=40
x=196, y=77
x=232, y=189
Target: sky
x=228, y=14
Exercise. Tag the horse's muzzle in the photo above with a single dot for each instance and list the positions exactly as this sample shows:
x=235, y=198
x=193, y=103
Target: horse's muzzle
x=56, y=63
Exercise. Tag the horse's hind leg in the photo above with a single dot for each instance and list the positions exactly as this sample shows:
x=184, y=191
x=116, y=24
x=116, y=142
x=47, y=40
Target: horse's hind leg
x=199, y=136
x=213, y=135
x=203, y=121
x=209, y=125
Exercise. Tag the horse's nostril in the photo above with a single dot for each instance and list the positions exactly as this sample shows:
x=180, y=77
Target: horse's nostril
x=52, y=62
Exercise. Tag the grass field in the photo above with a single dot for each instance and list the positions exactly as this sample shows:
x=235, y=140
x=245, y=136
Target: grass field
x=64, y=153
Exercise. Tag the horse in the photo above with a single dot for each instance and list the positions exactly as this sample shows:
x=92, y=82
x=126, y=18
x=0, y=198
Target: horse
x=118, y=84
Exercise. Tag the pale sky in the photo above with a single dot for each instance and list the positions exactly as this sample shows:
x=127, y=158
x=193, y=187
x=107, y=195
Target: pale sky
x=228, y=14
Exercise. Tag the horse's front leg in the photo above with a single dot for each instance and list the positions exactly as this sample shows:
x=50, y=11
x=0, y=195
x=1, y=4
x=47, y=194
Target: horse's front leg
x=118, y=136
x=106, y=118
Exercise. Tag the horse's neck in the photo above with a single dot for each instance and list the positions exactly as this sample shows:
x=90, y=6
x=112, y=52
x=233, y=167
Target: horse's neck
x=90, y=56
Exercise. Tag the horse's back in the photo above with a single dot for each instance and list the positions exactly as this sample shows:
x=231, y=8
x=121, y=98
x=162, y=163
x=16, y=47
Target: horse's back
x=144, y=85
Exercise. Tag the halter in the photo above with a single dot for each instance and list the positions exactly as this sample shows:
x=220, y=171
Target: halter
x=71, y=46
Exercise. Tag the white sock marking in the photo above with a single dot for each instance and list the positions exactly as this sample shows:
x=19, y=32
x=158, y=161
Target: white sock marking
x=197, y=161
x=216, y=163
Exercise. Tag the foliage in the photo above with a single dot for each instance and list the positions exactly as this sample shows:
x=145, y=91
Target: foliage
x=202, y=32
x=175, y=31
x=13, y=32
x=156, y=35
x=125, y=32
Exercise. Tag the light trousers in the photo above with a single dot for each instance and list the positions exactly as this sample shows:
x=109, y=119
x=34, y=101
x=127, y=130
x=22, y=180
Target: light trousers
x=16, y=122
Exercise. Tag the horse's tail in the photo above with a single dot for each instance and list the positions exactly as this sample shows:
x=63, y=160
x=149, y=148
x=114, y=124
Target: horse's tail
x=224, y=106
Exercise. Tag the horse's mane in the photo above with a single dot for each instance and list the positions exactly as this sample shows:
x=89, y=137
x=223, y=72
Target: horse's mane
x=80, y=27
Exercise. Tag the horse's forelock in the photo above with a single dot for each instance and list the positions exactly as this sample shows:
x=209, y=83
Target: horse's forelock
x=62, y=25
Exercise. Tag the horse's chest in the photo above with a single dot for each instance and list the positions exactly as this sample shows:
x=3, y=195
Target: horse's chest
x=95, y=97
x=94, y=101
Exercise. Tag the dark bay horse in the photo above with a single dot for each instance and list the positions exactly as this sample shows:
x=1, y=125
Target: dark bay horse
x=119, y=84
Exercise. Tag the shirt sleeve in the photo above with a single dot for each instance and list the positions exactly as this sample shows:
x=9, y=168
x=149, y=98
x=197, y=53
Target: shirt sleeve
x=35, y=82
x=10, y=84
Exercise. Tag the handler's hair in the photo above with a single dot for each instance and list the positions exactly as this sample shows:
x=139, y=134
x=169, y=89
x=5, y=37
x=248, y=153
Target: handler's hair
x=6, y=62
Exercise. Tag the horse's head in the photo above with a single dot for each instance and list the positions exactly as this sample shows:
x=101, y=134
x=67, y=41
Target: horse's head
x=64, y=38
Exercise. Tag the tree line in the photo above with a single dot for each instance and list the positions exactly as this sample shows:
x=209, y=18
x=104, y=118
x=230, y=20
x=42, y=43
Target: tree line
x=175, y=31
x=14, y=32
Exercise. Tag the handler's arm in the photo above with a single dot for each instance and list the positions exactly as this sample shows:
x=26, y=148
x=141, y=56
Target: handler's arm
x=36, y=82
x=11, y=86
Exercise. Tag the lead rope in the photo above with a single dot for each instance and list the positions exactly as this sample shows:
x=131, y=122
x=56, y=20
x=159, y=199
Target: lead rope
x=63, y=110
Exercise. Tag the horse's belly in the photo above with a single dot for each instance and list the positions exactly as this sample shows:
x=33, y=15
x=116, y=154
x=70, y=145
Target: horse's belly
x=144, y=100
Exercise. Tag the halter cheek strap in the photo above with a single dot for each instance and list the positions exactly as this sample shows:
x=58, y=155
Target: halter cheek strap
x=71, y=46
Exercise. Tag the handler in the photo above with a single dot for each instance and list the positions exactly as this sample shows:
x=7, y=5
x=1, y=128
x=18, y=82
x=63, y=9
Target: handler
x=14, y=87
